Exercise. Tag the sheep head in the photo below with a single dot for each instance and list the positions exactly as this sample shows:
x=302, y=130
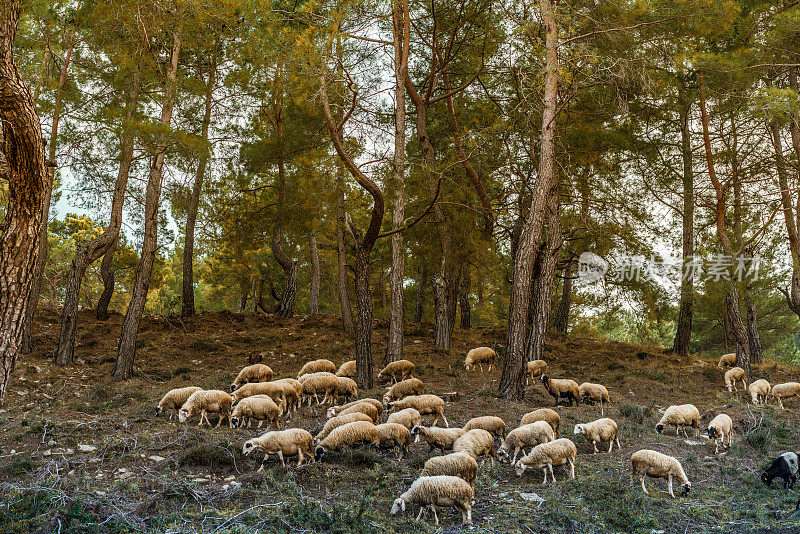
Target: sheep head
x=399, y=505
x=249, y=446
x=686, y=488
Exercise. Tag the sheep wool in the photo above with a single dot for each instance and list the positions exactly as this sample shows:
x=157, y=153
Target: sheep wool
x=476, y=442
x=205, y=402
x=543, y=414
x=404, y=388
x=727, y=360
x=653, y=464
x=349, y=435
x=535, y=369
x=546, y=455
x=759, y=391
x=529, y=435
x=424, y=404
x=394, y=435
x=490, y=423
x=290, y=442
x=600, y=431
x=478, y=357
x=174, y=399
x=252, y=373
x=436, y=437
x=562, y=388
x=408, y=417
x=784, y=391
x=395, y=371
x=317, y=366
x=458, y=464
x=321, y=382
x=719, y=428
x=436, y=491
x=347, y=369
x=362, y=407
x=336, y=410
x=681, y=416
x=273, y=389
x=733, y=375
x=591, y=393
x=340, y=420
x=259, y=408
x=347, y=387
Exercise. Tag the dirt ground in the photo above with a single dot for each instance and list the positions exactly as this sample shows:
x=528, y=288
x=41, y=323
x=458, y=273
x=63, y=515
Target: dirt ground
x=82, y=453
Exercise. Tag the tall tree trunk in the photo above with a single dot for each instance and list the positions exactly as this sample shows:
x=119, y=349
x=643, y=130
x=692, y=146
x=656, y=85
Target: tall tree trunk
x=344, y=298
x=422, y=284
x=28, y=184
x=313, y=300
x=41, y=258
x=401, y=27
x=561, y=321
x=442, y=325
x=463, y=297
x=756, y=351
x=89, y=252
x=286, y=305
x=738, y=330
x=789, y=218
x=684, y=328
x=363, y=333
x=107, y=275
x=512, y=381
x=126, y=350
x=187, y=302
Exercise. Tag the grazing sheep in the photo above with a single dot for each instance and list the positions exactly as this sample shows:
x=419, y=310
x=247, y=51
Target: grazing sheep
x=478, y=357
x=395, y=372
x=437, y=438
x=292, y=393
x=349, y=435
x=560, y=388
x=719, y=428
x=404, y=388
x=657, y=465
x=600, y=431
x=347, y=387
x=546, y=455
x=283, y=443
x=362, y=407
x=424, y=404
x=205, y=402
x=529, y=435
x=273, y=389
x=784, y=466
x=258, y=407
x=322, y=382
x=493, y=425
x=477, y=442
x=732, y=375
x=340, y=420
x=542, y=414
x=727, y=360
x=252, y=373
x=759, y=391
x=441, y=490
x=681, y=416
x=457, y=464
x=336, y=410
x=408, y=417
x=784, y=391
x=174, y=399
x=347, y=369
x=317, y=366
x=281, y=403
x=394, y=435
x=535, y=369
x=591, y=393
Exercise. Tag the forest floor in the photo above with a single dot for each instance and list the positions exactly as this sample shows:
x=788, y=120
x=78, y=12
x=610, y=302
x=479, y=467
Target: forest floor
x=82, y=453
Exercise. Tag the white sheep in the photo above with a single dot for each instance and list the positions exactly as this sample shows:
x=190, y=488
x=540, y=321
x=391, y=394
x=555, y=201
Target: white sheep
x=283, y=443
x=436, y=437
x=205, y=402
x=441, y=490
x=394, y=435
x=349, y=435
x=478, y=357
x=340, y=420
x=408, y=417
x=317, y=366
x=347, y=387
x=259, y=408
x=457, y=464
x=252, y=373
x=591, y=393
x=395, y=371
x=719, y=428
x=404, y=388
x=490, y=423
x=529, y=435
x=336, y=410
x=732, y=375
x=560, y=388
x=600, y=431
x=759, y=391
x=546, y=455
x=321, y=382
x=534, y=369
x=424, y=404
x=273, y=389
x=681, y=416
x=543, y=414
x=784, y=391
x=174, y=399
x=362, y=407
x=476, y=442
x=347, y=369
x=656, y=465
x=727, y=360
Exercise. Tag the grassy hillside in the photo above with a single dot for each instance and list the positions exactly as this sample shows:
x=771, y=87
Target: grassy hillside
x=153, y=475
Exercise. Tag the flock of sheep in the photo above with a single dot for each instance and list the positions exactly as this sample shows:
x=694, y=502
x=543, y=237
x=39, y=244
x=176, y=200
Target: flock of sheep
x=447, y=480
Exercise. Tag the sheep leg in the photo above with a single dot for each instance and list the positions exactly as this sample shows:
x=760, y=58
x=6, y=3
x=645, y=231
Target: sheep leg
x=610, y=445
x=435, y=515
x=572, y=469
x=618, y=445
x=602, y=413
x=552, y=475
x=544, y=470
x=446, y=424
x=263, y=462
x=514, y=460
x=299, y=456
x=280, y=455
x=643, y=486
x=669, y=487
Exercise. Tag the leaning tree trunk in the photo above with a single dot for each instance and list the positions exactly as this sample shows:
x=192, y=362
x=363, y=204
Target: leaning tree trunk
x=187, y=306
x=463, y=297
x=738, y=330
x=561, y=321
x=756, y=352
x=341, y=248
x=422, y=284
x=512, y=381
x=107, y=275
x=89, y=252
x=28, y=183
x=684, y=328
x=41, y=259
x=313, y=300
x=793, y=294
x=126, y=350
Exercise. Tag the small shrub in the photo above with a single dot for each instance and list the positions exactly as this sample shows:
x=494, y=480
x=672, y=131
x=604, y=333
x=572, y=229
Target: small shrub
x=207, y=344
x=361, y=457
x=636, y=412
x=614, y=365
x=760, y=439
x=181, y=371
x=208, y=455
x=18, y=467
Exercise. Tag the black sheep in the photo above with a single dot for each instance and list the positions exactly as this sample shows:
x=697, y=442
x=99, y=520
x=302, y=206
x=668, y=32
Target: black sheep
x=784, y=466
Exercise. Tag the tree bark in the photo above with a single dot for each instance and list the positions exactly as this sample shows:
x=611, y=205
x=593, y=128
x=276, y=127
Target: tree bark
x=753, y=337
x=126, y=350
x=107, y=275
x=89, y=252
x=363, y=333
x=28, y=184
x=187, y=302
x=422, y=284
x=313, y=300
x=341, y=247
x=512, y=381
x=41, y=258
x=561, y=321
x=684, y=327
x=286, y=305
x=442, y=325
x=463, y=297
